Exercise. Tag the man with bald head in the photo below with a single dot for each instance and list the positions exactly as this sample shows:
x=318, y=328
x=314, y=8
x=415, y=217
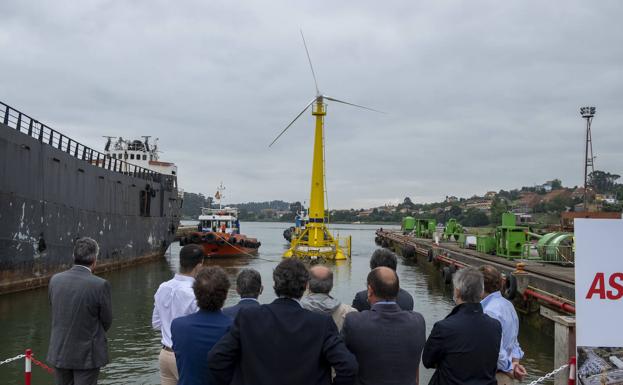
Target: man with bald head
x=320, y=301
x=386, y=340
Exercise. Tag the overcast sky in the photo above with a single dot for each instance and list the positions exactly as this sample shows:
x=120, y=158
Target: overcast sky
x=480, y=95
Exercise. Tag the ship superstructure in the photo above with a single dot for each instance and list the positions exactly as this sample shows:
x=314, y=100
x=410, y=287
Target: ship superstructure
x=140, y=153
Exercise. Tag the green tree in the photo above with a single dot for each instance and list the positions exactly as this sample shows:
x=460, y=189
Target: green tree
x=556, y=184
x=475, y=218
x=603, y=182
x=498, y=207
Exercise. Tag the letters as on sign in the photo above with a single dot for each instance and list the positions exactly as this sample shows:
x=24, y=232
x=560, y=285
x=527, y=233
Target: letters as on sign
x=611, y=289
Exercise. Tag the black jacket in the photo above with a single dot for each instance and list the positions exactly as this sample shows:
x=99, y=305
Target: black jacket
x=282, y=343
x=232, y=311
x=404, y=300
x=387, y=343
x=464, y=347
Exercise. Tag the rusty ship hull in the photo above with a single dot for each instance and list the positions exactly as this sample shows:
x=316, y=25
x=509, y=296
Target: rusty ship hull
x=54, y=190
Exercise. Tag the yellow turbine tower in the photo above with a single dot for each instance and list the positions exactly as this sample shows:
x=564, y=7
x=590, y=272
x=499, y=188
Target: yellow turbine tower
x=316, y=241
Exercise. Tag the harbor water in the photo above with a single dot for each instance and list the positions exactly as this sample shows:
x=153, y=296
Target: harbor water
x=134, y=346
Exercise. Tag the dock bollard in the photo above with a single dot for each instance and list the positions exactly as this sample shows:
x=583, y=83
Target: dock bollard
x=28, y=367
x=572, y=363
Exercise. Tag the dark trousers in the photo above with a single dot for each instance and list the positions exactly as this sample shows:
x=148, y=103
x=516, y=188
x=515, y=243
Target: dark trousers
x=76, y=377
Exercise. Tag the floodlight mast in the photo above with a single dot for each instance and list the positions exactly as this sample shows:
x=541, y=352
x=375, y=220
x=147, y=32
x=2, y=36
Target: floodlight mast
x=588, y=113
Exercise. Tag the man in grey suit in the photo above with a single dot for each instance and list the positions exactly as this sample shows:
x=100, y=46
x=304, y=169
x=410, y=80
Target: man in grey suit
x=386, y=340
x=81, y=315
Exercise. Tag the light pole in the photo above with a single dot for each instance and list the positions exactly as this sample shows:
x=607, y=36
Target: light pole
x=587, y=113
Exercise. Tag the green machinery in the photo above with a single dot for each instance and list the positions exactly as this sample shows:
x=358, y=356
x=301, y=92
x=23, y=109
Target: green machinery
x=557, y=247
x=485, y=244
x=511, y=241
x=510, y=238
x=425, y=228
x=408, y=224
x=453, y=230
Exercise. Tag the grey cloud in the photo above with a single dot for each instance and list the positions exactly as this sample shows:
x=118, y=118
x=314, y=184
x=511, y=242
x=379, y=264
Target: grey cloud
x=480, y=95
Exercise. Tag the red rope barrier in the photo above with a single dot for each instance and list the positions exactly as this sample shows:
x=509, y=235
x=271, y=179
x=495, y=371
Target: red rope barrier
x=29, y=359
x=42, y=365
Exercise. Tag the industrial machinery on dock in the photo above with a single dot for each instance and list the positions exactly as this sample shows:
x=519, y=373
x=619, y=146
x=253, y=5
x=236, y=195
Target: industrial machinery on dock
x=510, y=238
x=453, y=230
x=425, y=228
x=507, y=240
x=408, y=225
x=558, y=247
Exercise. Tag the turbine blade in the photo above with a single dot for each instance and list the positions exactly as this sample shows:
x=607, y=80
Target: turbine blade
x=351, y=104
x=310, y=63
x=292, y=122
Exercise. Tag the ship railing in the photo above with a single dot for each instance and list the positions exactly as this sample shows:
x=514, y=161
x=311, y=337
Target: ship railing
x=23, y=123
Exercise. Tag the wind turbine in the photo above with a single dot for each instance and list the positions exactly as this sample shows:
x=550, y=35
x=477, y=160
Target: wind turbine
x=316, y=241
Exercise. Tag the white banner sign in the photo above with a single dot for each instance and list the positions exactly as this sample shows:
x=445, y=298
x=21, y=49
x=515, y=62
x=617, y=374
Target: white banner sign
x=599, y=299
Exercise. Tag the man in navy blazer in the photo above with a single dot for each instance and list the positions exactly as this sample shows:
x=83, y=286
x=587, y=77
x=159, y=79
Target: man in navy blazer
x=386, y=340
x=383, y=258
x=249, y=287
x=281, y=343
x=464, y=347
x=194, y=335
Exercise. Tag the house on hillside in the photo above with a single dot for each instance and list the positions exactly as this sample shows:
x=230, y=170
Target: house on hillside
x=523, y=218
x=490, y=195
x=365, y=213
x=606, y=198
x=482, y=205
x=547, y=187
x=386, y=209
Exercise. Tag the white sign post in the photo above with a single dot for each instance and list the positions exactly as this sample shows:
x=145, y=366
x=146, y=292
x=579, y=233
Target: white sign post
x=599, y=300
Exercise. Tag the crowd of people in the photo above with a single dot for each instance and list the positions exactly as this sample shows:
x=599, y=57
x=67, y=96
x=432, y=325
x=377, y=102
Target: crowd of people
x=305, y=336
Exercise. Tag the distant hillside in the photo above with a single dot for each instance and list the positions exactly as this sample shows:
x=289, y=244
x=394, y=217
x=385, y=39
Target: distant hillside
x=541, y=203
x=193, y=204
x=248, y=211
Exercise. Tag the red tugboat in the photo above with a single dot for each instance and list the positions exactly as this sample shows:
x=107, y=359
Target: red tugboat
x=218, y=233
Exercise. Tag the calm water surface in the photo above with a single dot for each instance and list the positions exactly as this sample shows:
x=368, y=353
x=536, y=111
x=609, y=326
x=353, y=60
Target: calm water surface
x=134, y=346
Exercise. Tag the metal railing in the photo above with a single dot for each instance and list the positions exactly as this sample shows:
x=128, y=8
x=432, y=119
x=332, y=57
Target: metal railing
x=23, y=123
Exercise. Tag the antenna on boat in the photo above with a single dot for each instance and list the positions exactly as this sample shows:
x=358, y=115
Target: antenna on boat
x=219, y=195
x=108, y=142
x=319, y=99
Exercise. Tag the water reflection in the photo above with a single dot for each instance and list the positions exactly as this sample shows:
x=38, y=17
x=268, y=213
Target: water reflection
x=134, y=346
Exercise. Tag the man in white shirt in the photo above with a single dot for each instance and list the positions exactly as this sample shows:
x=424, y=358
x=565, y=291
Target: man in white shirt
x=175, y=298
